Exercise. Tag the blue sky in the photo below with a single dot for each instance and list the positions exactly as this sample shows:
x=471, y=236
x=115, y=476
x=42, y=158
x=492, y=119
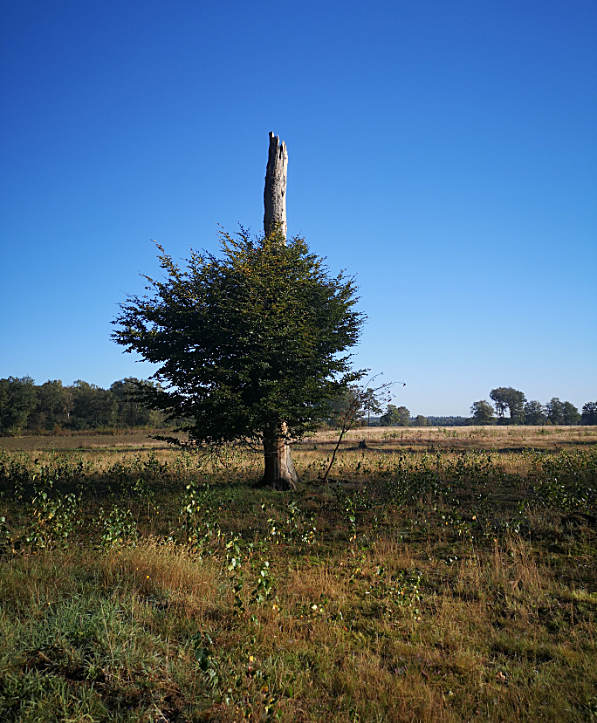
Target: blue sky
x=443, y=152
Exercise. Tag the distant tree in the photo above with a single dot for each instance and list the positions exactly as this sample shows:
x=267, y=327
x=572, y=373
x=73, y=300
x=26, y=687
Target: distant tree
x=570, y=413
x=54, y=404
x=511, y=399
x=347, y=403
x=534, y=413
x=395, y=417
x=482, y=412
x=499, y=398
x=131, y=412
x=589, y=413
x=17, y=402
x=555, y=411
x=92, y=406
x=421, y=421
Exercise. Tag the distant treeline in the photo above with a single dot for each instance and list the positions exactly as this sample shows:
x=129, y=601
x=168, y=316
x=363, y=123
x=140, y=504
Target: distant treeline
x=52, y=407
x=401, y=417
x=506, y=400
x=447, y=421
x=510, y=406
x=532, y=412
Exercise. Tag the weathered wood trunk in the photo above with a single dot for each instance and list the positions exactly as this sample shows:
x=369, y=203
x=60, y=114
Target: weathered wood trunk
x=279, y=467
x=274, y=195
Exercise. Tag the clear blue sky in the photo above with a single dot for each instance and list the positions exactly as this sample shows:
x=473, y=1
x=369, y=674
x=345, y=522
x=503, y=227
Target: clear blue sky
x=443, y=152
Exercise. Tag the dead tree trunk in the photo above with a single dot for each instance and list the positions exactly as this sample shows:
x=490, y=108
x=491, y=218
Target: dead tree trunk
x=274, y=195
x=279, y=467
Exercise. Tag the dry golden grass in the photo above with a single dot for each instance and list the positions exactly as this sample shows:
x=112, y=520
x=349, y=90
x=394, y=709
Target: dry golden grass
x=119, y=440
x=382, y=438
x=460, y=438
x=437, y=586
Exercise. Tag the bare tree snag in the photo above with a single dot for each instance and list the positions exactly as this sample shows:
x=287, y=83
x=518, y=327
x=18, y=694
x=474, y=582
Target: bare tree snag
x=279, y=467
x=274, y=195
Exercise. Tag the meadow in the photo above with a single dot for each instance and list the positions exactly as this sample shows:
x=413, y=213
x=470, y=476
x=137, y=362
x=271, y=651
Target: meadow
x=438, y=574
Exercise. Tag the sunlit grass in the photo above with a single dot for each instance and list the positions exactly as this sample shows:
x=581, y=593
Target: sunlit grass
x=424, y=585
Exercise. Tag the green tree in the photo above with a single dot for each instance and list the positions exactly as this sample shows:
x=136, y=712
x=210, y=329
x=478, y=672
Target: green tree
x=54, y=403
x=355, y=403
x=250, y=345
x=92, y=406
x=555, y=411
x=131, y=412
x=589, y=413
x=482, y=412
x=534, y=413
x=511, y=399
x=570, y=413
x=347, y=404
x=421, y=421
x=17, y=402
x=395, y=417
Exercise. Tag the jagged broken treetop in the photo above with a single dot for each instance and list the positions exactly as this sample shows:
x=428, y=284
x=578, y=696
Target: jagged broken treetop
x=274, y=194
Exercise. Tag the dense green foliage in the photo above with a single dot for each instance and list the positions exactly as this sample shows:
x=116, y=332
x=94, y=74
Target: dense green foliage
x=28, y=407
x=589, y=413
x=511, y=399
x=245, y=341
x=534, y=412
x=482, y=412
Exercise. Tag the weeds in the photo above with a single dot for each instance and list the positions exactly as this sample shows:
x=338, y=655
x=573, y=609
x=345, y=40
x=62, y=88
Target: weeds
x=118, y=527
x=427, y=585
x=54, y=516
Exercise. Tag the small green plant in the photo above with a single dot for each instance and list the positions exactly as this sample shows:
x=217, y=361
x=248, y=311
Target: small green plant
x=296, y=528
x=401, y=590
x=118, y=527
x=353, y=505
x=264, y=588
x=200, y=522
x=350, y=511
x=145, y=494
x=54, y=516
x=301, y=529
x=234, y=569
x=203, y=646
x=5, y=536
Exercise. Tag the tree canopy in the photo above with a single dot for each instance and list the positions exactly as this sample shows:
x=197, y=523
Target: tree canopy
x=534, y=412
x=245, y=341
x=527, y=412
x=511, y=399
x=395, y=416
x=482, y=412
x=589, y=413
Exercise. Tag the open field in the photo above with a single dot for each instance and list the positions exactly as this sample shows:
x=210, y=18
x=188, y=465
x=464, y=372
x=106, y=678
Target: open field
x=389, y=438
x=438, y=575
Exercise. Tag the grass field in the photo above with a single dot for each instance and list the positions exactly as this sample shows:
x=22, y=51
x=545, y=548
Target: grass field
x=438, y=574
x=427, y=438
